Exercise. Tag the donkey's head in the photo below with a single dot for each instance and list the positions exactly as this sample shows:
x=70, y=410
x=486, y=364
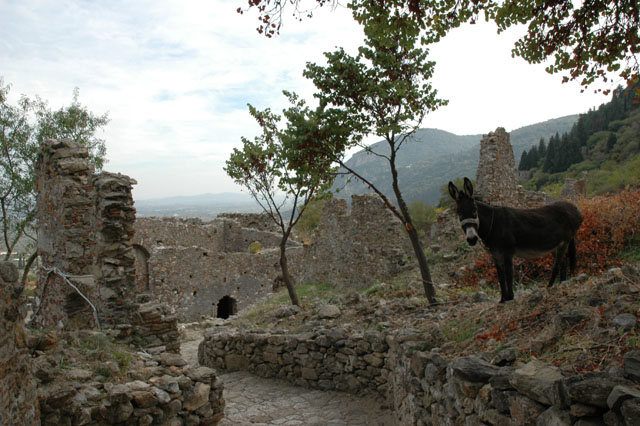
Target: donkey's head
x=467, y=210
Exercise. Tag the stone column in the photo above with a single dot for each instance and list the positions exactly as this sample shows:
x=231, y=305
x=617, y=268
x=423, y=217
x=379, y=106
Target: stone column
x=496, y=181
x=66, y=235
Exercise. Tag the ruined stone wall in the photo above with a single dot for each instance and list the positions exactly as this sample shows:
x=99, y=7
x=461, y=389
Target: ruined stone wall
x=193, y=265
x=194, y=280
x=85, y=240
x=405, y=369
x=257, y=221
x=496, y=177
x=18, y=396
x=575, y=189
x=356, y=248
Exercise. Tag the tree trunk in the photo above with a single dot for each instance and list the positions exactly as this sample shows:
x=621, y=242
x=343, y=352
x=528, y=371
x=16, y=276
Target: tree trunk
x=27, y=267
x=427, y=283
x=288, y=281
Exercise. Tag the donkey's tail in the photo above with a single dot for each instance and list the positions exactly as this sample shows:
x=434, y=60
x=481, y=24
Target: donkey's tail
x=572, y=256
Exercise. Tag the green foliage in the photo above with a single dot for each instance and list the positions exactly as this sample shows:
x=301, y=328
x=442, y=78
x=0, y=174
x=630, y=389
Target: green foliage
x=24, y=127
x=584, y=40
x=423, y=215
x=310, y=218
x=255, y=247
x=295, y=161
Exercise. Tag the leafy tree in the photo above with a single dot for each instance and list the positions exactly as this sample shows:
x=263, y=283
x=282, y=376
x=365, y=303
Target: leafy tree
x=383, y=90
x=585, y=40
x=23, y=127
x=282, y=170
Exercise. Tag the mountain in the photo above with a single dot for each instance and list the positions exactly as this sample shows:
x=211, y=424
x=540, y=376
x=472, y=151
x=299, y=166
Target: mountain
x=206, y=206
x=431, y=157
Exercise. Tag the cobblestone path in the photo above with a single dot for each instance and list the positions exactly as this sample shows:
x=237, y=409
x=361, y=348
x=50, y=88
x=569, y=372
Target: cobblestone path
x=254, y=401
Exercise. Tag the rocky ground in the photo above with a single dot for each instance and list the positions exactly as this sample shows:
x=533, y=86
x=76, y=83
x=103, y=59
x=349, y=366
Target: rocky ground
x=584, y=324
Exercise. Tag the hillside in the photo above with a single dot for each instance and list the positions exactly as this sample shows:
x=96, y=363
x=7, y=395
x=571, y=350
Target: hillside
x=432, y=157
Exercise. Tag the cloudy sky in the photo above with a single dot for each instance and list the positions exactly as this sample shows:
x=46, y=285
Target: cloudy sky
x=175, y=78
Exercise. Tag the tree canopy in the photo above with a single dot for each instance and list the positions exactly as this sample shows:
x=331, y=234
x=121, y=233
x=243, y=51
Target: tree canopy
x=22, y=128
x=583, y=40
x=284, y=169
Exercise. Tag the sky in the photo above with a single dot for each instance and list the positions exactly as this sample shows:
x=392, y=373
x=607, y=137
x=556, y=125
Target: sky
x=175, y=78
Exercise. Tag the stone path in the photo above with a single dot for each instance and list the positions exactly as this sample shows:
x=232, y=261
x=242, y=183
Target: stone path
x=254, y=401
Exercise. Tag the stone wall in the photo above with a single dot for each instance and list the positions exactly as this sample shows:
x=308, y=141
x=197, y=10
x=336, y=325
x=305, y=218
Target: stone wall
x=85, y=241
x=575, y=189
x=194, y=265
x=356, y=248
x=85, y=228
x=160, y=390
x=496, y=177
x=406, y=371
x=18, y=396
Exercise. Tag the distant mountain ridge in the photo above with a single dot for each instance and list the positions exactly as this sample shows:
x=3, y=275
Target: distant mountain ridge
x=432, y=157
x=427, y=161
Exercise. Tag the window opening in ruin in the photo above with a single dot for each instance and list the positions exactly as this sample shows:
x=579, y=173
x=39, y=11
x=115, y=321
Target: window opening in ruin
x=227, y=306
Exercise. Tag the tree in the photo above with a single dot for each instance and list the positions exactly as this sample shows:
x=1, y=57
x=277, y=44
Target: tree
x=585, y=40
x=23, y=127
x=384, y=90
x=282, y=170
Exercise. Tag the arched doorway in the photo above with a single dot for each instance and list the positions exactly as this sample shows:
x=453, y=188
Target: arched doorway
x=227, y=306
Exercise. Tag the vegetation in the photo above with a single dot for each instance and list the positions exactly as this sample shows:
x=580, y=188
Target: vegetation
x=24, y=126
x=283, y=161
x=584, y=41
x=384, y=90
x=605, y=143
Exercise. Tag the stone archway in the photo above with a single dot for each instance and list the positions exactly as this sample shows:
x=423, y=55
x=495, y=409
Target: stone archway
x=227, y=306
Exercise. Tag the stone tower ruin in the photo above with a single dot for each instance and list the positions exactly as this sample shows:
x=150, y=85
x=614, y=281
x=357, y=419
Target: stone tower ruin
x=496, y=181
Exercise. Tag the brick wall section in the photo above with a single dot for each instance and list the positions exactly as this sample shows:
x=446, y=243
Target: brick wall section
x=356, y=248
x=18, y=395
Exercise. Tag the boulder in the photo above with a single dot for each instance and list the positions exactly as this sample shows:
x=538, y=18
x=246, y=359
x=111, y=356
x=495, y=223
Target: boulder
x=537, y=380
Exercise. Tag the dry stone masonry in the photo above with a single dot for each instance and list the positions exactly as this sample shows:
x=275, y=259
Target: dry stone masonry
x=356, y=248
x=18, y=396
x=405, y=370
x=85, y=241
x=496, y=181
x=197, y=266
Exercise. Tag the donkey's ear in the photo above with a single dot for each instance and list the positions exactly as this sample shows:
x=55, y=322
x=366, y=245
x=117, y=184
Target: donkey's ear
x=453, y=191
x=468, y=187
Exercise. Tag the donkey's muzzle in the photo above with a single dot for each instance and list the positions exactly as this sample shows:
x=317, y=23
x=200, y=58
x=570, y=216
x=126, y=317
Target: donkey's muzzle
x=472, y=240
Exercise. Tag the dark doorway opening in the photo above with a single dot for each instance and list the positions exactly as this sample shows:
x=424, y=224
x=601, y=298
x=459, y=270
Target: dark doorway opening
x=227, y=306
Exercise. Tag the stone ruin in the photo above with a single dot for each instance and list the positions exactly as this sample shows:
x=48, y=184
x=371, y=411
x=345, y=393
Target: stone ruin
x=356, y=248
x=85, y=241
x=496, y=181
x=18, y=394
x=205, y=269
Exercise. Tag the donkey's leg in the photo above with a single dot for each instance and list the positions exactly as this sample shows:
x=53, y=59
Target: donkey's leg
x=572, y=256
x=508, y=275
x=499, y=261
x=558, y=257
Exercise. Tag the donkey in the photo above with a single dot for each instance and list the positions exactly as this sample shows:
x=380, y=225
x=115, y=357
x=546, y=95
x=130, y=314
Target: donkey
x=526, y=233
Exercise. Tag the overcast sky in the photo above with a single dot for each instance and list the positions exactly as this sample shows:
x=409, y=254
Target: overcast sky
x=175, y=78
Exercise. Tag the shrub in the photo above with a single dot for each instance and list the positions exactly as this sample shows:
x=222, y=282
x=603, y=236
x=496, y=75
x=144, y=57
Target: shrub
x=255, y=247
x=610, y=226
